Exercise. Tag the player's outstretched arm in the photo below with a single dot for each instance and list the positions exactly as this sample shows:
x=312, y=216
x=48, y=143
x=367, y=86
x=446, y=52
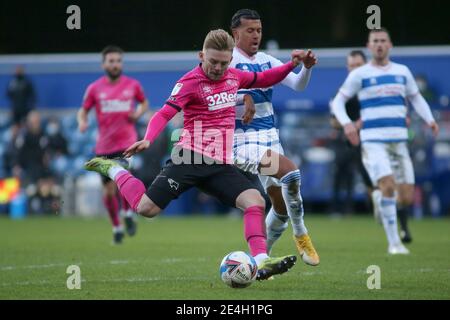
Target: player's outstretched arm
x=269, y=77
x=299, y=81
x=82, y=118
x=154, y=128
x=136, y=147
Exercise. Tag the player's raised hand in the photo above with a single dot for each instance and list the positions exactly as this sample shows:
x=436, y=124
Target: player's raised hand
x=352, y=133
x=136, y=147
x=435, y=128
x=310, y=59
x=250, y=109
x=298, y=56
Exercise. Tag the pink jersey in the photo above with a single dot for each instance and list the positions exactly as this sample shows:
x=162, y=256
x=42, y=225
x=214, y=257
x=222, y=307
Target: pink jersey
x=113, y=103
x=209, y=108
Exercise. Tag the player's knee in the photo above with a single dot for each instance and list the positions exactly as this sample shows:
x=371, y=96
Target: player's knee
x=250, y=198
x=406, y=199
x=388, y=190
x=286, y=166
x=259, y=200
x=387, y=186
x=148, y=209
x=256, y=199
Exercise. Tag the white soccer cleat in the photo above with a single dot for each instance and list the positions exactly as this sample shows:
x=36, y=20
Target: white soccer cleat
x=398, y=249
x=376, y=199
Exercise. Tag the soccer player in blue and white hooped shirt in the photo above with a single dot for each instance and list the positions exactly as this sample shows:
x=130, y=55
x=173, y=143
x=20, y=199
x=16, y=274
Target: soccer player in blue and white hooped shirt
x=257, y=148
x=383, y=87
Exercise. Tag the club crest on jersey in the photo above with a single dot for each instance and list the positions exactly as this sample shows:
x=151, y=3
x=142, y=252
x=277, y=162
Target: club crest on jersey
x=127, y=93
x=265, y=67
x=221, y=100
x=231, y=82
x=176, y=89
x=399, y=79
x=207, y=89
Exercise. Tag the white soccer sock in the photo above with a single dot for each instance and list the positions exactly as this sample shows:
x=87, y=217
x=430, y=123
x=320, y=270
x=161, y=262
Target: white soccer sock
x=389, y=217
x=118, y=229
x=114, y=171
x=376, y=202
x=259, y=258
x=290, y=188
x=275, y=226
x=130, y=213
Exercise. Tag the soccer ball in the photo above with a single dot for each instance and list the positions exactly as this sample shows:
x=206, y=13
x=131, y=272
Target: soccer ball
x=238, y=269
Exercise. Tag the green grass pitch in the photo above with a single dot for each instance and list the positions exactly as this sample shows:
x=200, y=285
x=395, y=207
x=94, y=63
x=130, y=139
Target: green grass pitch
x=178, y=258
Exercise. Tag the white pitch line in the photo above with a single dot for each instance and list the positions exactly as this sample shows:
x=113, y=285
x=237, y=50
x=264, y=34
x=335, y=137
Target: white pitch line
x=113, y=262
x=38, y=266
x=133, y=280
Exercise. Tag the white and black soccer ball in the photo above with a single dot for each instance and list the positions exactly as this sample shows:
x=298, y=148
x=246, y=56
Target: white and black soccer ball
x=238, y=269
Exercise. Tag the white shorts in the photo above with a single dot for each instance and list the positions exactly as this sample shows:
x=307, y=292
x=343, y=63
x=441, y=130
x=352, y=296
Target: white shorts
x=385, y=159
x=247, y=157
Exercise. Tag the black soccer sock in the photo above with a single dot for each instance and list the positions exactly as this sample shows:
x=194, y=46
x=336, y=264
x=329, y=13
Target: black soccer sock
x=402, y=214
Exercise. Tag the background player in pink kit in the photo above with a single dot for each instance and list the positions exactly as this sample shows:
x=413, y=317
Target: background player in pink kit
x=207, y=95
x=113, y=96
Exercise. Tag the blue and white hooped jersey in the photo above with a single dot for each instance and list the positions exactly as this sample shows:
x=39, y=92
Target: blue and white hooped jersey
x=263, y=125
x=382, y=93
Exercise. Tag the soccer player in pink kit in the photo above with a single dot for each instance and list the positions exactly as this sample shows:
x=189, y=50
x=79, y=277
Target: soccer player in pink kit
x=203, y=157
x=113, y=96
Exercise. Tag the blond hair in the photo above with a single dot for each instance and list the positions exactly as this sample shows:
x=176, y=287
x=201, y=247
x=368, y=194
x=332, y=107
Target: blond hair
x=219, y=40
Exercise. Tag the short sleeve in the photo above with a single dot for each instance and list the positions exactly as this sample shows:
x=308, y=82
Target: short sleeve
x=139, y=94
x=180, y=96
x=89, y=98
x=352, y=84
x=411, y=86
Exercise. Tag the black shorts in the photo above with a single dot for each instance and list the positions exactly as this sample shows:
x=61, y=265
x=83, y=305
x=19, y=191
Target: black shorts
x=222, y=181
x=115, y=155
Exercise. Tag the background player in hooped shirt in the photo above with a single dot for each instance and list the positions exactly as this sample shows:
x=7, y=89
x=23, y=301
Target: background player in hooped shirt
x=113, y=96
x=204, y=157
x=383, y=87
x=258, y=144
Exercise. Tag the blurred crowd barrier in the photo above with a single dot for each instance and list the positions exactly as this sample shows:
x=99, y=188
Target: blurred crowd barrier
x=63, y=187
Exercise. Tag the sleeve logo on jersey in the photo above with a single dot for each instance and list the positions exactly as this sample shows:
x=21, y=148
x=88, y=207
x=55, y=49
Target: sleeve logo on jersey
x=176, y=89
x=221, y=100
x=233, y=83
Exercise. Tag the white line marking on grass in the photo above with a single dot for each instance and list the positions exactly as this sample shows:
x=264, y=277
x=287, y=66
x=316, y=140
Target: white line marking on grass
x=112, y=262
x=177, y=260
x=119, y=262
x=132, y=280
x=311, y=273
x=36, y=266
